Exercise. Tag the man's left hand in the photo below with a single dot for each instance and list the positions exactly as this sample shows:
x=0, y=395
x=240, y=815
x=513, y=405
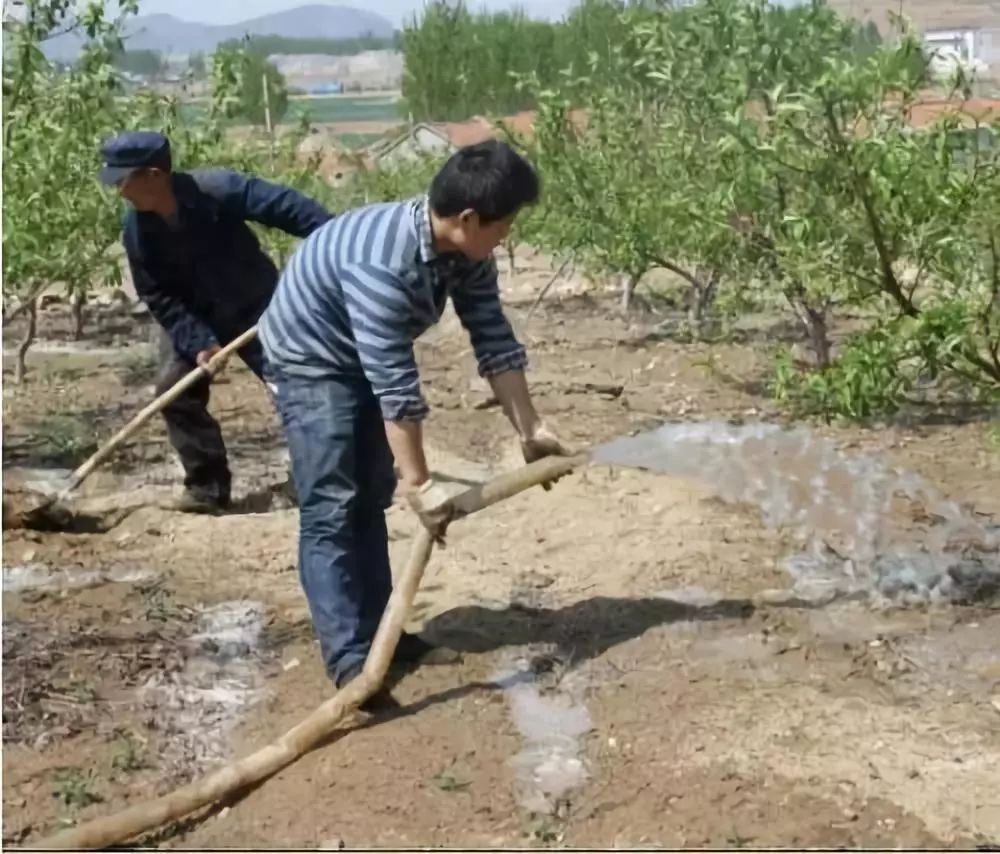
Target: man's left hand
x=543, y=443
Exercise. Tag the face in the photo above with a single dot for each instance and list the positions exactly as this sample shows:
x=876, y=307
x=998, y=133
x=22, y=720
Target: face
x=144, y=189
x=477, y=239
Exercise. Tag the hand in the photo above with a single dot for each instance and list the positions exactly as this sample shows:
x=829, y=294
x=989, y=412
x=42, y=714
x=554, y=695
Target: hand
x=205, y=357
x=543, y=443
x=433, y=506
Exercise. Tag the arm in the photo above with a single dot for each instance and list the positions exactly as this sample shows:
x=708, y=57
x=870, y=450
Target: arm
x=379, y=310
x=511, y=389
x=406, y=440
x=501, y=358
x=273, y=205
x=189, y=334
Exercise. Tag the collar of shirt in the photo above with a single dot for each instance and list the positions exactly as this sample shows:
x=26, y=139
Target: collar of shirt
x=188, y=199
x=425, y=237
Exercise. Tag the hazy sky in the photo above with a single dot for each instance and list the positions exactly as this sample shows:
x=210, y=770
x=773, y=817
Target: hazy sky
x=396, y=11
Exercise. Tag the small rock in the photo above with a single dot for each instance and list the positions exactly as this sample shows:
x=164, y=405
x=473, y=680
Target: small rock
x=29, y=555
x=291, y=665
x=995, y=700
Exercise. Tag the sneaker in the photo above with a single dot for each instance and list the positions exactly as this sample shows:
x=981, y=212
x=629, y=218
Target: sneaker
x=198, y=501
x=413, y=649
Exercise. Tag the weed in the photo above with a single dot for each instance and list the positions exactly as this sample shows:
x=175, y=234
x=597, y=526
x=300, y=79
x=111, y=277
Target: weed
x=82, y=692
x=447, y=781
x=74, y=788
x=159, y=603
x=547, y=830
x=128, y=753
x=736, y=840
x=68, y=438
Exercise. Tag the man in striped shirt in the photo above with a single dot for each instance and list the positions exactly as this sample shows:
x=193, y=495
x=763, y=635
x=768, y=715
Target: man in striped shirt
x=338, y=337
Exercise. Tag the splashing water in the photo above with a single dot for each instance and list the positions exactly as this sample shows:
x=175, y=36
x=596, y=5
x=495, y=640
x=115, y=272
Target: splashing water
x=40, y=577
x=201, y=704
x=548, y=768
x=857, y=513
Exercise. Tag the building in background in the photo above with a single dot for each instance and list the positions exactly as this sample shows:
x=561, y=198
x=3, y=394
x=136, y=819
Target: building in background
x=371, y=70
x=960, y=32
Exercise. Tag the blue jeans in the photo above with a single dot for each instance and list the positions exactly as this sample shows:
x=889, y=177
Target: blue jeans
x=343, y=472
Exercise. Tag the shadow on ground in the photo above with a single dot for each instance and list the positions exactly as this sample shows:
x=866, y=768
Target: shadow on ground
x=584, y=630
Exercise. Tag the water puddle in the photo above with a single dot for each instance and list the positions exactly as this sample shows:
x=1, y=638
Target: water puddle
x=693, y=596
x=549, y=768
x=198, y=706
x=17, y=579
x=869, y=528
x=67, y=348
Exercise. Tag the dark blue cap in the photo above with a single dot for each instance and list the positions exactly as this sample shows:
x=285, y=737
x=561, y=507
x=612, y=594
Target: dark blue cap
x=132, y=150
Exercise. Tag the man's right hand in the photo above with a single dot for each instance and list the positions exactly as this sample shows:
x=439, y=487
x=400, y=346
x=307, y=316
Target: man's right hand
x=205, y=357
x=434, y=507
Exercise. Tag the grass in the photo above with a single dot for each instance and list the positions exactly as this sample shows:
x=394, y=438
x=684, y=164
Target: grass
x=139, y=365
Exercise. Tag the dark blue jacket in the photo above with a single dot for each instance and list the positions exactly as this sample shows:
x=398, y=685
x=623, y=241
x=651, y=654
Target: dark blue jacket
x=209, y=280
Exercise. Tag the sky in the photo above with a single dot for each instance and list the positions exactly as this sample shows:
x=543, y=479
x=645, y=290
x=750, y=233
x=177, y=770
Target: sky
x=396, y=11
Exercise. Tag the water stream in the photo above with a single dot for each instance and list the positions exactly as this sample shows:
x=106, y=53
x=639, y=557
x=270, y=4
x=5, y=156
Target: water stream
x=869, y=527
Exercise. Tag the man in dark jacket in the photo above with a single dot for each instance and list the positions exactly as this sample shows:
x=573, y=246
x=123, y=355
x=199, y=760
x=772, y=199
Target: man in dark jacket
x=199, y=268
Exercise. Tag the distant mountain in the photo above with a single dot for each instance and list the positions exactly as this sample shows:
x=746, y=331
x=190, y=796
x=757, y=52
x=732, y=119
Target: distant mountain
x=168, y=34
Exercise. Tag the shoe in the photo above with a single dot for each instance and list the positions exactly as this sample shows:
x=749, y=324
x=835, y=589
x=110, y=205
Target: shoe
x=414, y=650
x=285, y=492
x=199, y=501
x=380, y=701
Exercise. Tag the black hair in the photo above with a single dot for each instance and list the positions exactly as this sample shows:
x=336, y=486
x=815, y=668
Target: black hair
x=490, y=178
x=163, y=160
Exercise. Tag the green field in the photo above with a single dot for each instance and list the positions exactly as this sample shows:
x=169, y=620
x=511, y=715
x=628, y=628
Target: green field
x=328, y=109
x=344, y=109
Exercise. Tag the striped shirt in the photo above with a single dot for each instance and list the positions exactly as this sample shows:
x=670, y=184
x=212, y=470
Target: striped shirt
x=360, y=290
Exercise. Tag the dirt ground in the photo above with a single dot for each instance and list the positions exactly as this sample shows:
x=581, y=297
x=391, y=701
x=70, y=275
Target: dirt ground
x=634, y=671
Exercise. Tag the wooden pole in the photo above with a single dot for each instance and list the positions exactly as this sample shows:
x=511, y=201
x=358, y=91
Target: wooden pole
x=267, y=105
x=130, y=429
x=306, y=735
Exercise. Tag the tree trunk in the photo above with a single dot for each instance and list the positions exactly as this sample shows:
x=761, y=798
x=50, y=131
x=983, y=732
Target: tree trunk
x=813, y=321
x=78, y=303
x=549, y=284
x=20, y=367
x=630, y=282
x=703, y=293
